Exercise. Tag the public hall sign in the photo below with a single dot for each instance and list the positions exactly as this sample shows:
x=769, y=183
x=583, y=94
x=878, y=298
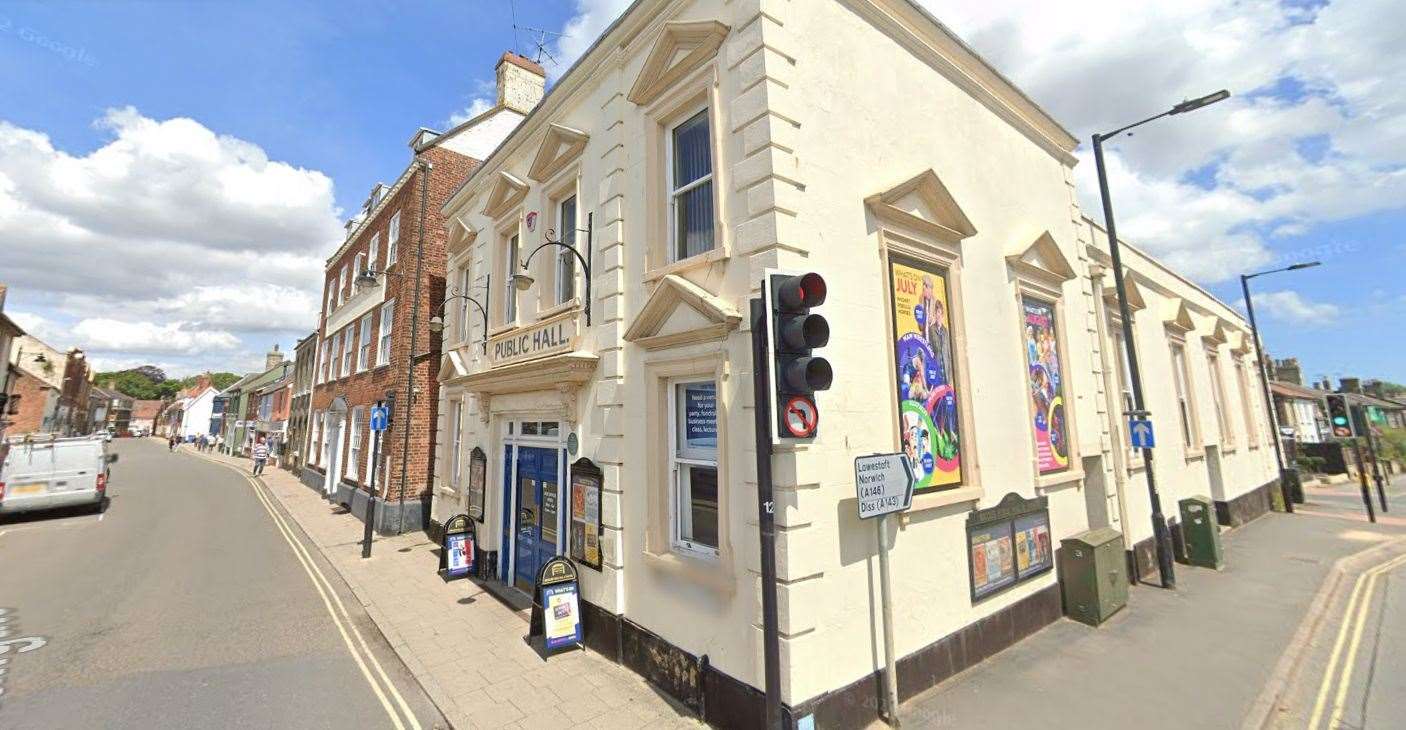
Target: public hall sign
x=549, y=337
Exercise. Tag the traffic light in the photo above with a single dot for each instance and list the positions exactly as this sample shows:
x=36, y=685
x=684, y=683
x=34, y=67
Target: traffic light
x=1340, y=416
x=795, y=332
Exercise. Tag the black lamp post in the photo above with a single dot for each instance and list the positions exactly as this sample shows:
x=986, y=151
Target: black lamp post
x=523, y=282
x=1264, y=377
x=1160, y=535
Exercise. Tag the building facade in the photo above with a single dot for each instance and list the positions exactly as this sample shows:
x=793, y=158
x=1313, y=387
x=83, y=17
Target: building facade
x=701, y=143
x=382, y=286
x=8, y=332
x=300, y=412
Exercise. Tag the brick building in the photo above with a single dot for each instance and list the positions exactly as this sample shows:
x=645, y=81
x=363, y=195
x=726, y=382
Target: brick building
x=304, y=364
x=382, y=285
x=34, y=404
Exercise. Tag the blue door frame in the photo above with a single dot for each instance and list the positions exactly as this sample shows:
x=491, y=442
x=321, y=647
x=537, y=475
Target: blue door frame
x=531, y=511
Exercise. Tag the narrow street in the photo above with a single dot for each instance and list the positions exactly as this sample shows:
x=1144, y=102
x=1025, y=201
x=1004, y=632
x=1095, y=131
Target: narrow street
x=186, y=604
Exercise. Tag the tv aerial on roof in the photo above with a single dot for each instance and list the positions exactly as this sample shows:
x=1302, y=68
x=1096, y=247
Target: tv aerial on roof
x=542, y=37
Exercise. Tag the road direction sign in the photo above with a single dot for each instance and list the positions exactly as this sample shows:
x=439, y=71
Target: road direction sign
x=1140, y=433
x=378, y=418
x=884, y=483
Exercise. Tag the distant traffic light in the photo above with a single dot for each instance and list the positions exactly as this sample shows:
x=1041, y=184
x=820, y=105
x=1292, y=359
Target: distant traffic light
x=795, y=333
x=1340, y=416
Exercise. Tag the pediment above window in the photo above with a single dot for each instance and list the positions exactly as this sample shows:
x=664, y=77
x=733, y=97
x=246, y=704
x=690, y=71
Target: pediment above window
x=1246, y=346
x=561, y=145
x=923, y=204
x=461, y=236
x=681, y=48
x=680, y=312
x=1178, y=317
x=1042, y=260
x=1136, y=302
x=1219, y=335
x=508, y=190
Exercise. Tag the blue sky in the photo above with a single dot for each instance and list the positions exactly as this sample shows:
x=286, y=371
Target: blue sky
x=315, y=102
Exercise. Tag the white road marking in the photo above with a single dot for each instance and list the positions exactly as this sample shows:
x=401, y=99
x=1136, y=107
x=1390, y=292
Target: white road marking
x=319, y=580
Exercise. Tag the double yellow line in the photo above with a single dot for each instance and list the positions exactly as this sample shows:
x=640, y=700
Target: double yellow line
x=1354, y=621
x=359, y=650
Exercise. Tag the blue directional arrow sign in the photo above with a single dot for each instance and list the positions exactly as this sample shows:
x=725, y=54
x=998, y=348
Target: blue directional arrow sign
x=1140, y=433
x=378, y=418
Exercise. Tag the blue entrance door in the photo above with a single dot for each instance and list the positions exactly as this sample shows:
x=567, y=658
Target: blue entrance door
x=535, y=523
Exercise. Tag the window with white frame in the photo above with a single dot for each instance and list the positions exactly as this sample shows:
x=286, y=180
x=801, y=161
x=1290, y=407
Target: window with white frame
x=566, y=260
x=336, y=357
x=693, y=465
x=354, y=433
x=1182, y=379
x=342, y=285
x=1242, y=376
x=330, y=302
x=456, y=439
x=364, y=344
x=690, y=188
x=383, y=349
x=1227, y=436
x=315, y=448
x=373, y=256
x=347, y=351
x=357, y=268
x=326, y=361
x=510, y=254
x=463, y=325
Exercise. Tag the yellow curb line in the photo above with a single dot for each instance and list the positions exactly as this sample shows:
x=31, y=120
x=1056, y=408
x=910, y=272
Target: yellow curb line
x=1356, y=614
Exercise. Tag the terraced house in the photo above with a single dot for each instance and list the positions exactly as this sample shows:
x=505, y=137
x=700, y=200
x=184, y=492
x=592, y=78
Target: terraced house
x=601, y=405
x=383, y=284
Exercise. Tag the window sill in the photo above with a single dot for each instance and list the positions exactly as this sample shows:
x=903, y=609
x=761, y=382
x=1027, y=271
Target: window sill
x=503, y=328
x=943, y=498
x=717, y=254
x=1195, y=455
x=556, y=309
x=1056, y=480
x=704, y=571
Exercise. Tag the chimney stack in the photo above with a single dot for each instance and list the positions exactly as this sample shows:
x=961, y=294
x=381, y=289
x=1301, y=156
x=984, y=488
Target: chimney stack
x=273, y=359
x=521, y=83
x=1288, y=371
x=1350, y=385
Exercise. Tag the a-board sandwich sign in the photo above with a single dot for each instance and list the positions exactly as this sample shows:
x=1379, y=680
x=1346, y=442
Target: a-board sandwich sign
x=456, y=558
x=556, y=608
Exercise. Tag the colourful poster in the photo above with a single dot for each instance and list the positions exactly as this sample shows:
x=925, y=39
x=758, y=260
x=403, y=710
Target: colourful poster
x=927, y=397
x=992, y=566
x=459, y=554
x=1046, y=386
x=562, y=613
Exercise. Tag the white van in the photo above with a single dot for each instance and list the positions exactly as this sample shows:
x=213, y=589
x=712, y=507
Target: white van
x=47, y=472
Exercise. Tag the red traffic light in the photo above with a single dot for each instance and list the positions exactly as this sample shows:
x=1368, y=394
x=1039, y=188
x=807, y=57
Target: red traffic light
x=801, y=292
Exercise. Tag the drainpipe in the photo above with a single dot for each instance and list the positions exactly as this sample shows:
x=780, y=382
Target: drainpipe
x=425, y=168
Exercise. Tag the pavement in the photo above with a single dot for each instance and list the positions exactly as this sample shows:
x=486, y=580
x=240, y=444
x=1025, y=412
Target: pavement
x=464, y=644
x=185, y=604
x=1244, y=647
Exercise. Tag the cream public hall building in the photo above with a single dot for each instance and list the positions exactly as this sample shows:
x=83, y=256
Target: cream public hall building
x=698, y=144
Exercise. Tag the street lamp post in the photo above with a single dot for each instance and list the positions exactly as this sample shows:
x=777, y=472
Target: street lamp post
x=1160, y=534
x=437, y=321
x=1264, y=378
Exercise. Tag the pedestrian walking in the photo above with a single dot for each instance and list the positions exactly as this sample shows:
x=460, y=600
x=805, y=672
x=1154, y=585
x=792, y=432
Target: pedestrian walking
x=171, y=443
x=220, y=443
x=261, y=456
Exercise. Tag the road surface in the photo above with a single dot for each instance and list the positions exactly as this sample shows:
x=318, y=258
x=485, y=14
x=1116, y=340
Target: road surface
x=193, y=601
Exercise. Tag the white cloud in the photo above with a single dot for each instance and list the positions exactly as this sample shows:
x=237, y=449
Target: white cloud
x=1290, y=306
x=169, y=240
x=475, y=108
x=591, y=19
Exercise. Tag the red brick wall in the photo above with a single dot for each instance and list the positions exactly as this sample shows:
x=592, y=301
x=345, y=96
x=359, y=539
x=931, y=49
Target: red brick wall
x=449, y=169
x=33, y=393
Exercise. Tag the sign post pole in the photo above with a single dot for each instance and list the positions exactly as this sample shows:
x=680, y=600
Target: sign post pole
x=884, y=484
x=886, y=599
x=378, y=424
x=766, y=514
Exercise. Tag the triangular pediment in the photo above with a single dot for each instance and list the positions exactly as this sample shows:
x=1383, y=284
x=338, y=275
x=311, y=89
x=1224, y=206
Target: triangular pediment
x=508, y=190
x=1179, y=317
x=680, y=312
x=1218, y=336
x=461, y=235
x=923, y=203
x=1043, y=258
x=680, y=48
x=1246, y=344
x=1136, y=302
x=560, y=146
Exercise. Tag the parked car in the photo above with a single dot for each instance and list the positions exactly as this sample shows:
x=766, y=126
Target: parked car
x=46, y=473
